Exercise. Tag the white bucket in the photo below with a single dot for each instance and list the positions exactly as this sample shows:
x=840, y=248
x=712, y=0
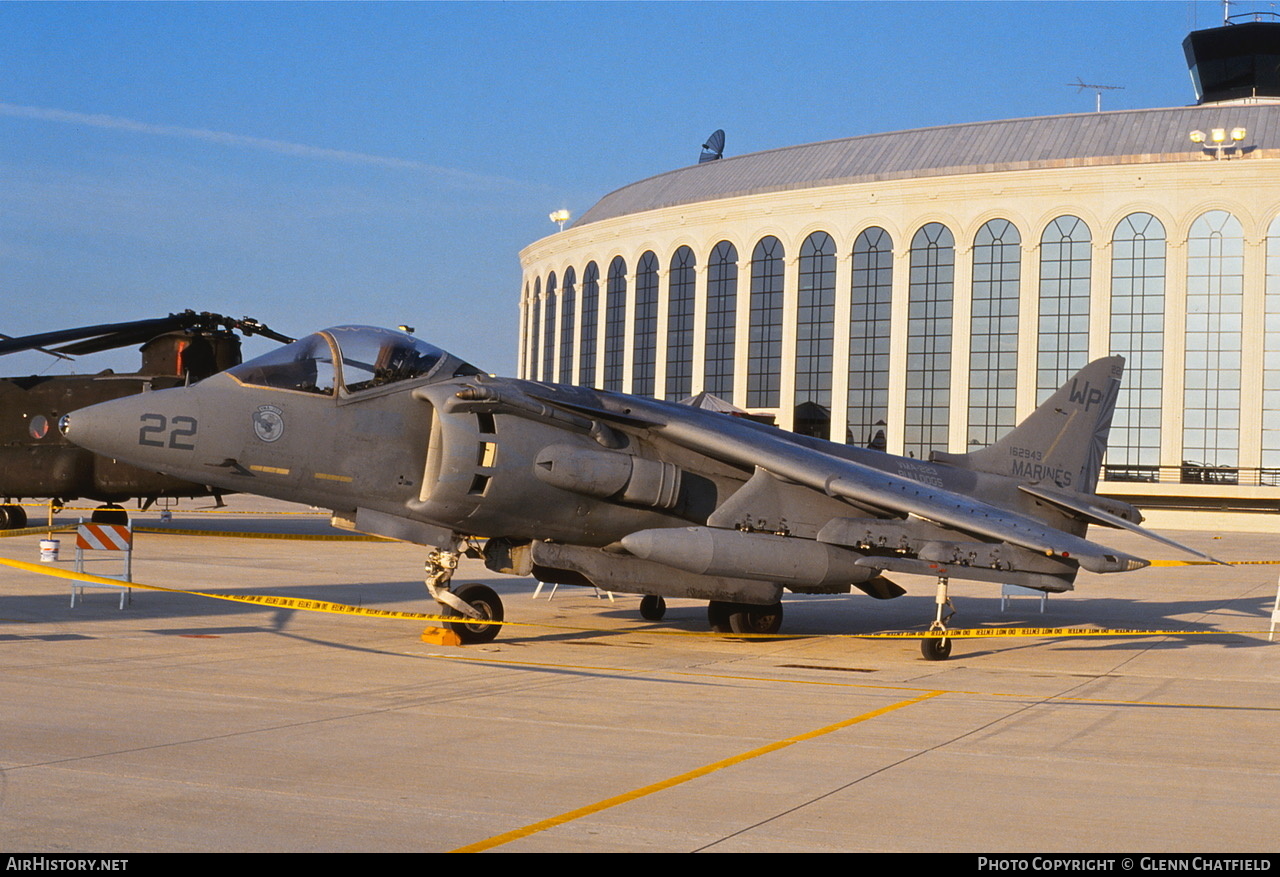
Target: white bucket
x=48, y=550
x=166, y=516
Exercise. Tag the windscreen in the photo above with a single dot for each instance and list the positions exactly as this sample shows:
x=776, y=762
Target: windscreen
x=306, y=365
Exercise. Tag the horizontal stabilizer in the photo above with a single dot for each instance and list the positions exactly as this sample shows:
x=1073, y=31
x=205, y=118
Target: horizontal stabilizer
x=1080, y=505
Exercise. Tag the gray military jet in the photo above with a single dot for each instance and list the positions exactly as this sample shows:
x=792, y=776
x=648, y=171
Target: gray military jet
x=579, y=486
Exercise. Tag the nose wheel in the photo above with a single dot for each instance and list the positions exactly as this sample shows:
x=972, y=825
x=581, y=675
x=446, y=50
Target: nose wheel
x=473, y=604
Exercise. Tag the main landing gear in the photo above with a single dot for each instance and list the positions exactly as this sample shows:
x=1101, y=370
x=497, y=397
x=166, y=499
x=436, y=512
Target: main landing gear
x=652, y=607
x=472, y=603
x=939, y=648
x=12, y=516
x=110, y=514
x=743, y=617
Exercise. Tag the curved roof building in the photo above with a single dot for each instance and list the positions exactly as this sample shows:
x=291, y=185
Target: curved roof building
x=933, y=285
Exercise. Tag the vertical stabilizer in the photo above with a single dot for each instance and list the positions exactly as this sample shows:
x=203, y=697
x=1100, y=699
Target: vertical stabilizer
x=1061, y=443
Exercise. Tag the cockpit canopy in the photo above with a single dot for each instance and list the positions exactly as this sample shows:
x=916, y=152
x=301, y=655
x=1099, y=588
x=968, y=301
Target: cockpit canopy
x=367, y=357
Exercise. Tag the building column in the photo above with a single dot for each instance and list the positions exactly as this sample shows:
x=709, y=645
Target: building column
x=961, y=335
x=840, y=346
x=790, y=317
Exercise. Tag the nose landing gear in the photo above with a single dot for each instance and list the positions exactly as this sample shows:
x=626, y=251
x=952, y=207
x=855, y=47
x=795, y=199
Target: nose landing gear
x=472, y=603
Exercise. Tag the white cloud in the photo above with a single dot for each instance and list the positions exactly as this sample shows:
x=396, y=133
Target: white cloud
x=280, y=147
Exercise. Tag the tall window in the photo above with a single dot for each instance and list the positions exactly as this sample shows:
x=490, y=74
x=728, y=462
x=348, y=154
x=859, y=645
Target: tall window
x=815, y=331
x=615, y=324
x=680, y=289
x=764, y=343
x=1137, y=334
x=646, y=327
x=1271, y=355
x=549, y=331
x=869, y=335
x=929, y=340
x=567, y=315
x=993, y=344
x=1065, y=250
x=722, y=308
x=1215, y=299
x=590, y=325
x=535, y=324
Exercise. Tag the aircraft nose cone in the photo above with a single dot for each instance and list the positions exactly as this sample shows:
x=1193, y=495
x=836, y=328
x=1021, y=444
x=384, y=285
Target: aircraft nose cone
x=97, y=427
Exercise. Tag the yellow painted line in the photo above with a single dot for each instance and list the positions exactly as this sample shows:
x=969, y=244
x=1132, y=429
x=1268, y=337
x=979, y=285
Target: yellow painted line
x=270, y=470
x=643, y=791
x=324, y=476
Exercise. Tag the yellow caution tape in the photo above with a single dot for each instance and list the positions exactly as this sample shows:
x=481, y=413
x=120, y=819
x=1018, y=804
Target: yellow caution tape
x=344, y=609
x=256, y=599
x=32, y=531
x=316, y=537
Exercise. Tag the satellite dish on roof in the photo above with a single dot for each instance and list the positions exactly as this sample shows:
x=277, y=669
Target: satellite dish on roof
x=713, y=148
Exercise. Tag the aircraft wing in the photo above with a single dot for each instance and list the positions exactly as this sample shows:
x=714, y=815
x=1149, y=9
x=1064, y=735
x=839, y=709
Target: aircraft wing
x=747, y=444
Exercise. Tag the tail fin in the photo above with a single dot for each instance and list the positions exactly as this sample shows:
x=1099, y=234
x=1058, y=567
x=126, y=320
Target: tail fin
x=1062, y=442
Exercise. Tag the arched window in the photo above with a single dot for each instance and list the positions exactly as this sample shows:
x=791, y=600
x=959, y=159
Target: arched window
x=680, y=289
x=535, y=325
x=764, y=342
x=1271, y=358
x=1137, y=334
x=615, y=324
x=549, y=331
x=1215, y=300
x=722, y=309
x=1066, y=248
x=930, y=291
x=646, y=327
x=869, y=336
x=568, y=306
x=815, y=331
x=590, y=325
x=993, y=336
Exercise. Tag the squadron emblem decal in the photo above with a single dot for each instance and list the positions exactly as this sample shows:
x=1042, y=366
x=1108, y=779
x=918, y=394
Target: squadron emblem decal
x=268, y=423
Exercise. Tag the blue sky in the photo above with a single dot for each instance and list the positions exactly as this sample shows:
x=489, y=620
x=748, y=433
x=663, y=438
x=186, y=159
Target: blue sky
x=384, y=163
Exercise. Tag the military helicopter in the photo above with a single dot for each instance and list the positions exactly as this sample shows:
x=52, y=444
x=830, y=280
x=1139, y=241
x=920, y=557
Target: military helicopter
x=580, y=486
x=37, y=461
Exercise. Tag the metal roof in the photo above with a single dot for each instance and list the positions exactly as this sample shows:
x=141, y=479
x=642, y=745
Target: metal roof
x=977, y=147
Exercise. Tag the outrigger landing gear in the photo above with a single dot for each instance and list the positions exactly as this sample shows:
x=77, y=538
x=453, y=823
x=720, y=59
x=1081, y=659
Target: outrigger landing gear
x=939, y=648
x=471, y=602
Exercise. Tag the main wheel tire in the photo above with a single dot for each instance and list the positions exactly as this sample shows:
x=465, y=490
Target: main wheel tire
x=110, y=514
x=756, y=619
x=485, y=601
x=718, y=616
x=652, y=607
x=17, y=517
x=935, y=648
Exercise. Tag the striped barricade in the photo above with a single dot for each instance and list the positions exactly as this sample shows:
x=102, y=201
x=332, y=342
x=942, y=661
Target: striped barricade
x=104, y=537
